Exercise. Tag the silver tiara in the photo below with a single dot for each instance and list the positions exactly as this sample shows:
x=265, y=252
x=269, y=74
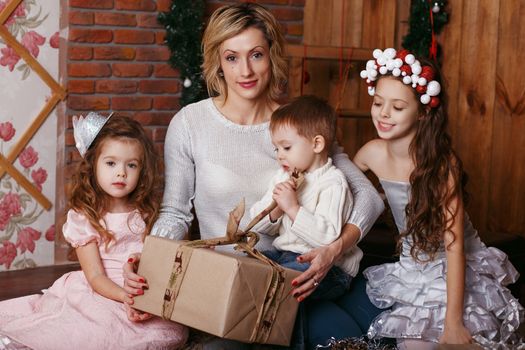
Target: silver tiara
x=85, y=129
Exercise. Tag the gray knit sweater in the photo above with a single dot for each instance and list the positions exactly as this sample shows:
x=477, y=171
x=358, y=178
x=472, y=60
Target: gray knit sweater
x=212, y=163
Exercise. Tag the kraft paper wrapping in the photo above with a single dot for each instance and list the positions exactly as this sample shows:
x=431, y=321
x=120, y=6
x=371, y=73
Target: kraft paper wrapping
x=221, y=294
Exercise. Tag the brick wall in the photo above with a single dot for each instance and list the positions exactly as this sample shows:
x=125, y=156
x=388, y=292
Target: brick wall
x=116, y=62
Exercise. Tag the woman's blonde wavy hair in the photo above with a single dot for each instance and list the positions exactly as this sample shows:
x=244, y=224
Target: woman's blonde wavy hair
x=89, y=199
x=229, y=21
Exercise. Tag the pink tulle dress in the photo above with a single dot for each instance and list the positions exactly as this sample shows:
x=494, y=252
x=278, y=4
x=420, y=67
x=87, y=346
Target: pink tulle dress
x=70, y=315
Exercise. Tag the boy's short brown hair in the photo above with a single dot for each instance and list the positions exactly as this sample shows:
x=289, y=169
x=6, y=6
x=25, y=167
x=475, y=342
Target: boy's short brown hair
x=309, y=115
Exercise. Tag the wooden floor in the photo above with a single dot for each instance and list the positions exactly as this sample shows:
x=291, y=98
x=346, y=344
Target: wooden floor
x=31, y=281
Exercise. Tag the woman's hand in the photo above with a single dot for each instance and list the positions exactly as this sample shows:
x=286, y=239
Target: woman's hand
x=133, y=283
x=455, y=334
x=321, y=261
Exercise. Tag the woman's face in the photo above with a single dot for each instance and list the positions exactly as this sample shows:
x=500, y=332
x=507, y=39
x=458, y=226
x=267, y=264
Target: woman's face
x=245, y=63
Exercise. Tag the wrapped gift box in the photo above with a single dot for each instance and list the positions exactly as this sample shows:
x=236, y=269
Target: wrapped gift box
x=221, y=293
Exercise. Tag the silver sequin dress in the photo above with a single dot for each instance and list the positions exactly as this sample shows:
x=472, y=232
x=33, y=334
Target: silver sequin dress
x=416, y=292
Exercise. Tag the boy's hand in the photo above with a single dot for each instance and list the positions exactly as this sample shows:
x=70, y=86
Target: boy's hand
x=286, y=198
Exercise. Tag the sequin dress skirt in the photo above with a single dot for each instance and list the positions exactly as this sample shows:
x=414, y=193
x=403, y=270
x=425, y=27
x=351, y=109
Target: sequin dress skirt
x=416, y=294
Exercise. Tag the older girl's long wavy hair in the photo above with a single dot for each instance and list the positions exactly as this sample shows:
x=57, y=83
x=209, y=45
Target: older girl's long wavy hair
x=88, y=198
x=438, y=178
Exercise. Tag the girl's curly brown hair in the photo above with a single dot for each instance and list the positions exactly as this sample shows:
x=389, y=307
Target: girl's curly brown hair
x=88, y=198
x=438, y=178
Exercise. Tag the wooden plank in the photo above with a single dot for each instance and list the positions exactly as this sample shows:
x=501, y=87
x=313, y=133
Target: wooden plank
x=319, y=72
x=353, y=23
x=379, y=23
x=318, y=22
x=28, y=186
x=329, y=52
x=8, y=10
x=32, y=62
x=402, y=25
x=31, y=130
x=507, y=189
x=450, y=41
x=476, y=99
x=18, y=283
x=354, y=133
x=295, y=76
x=346, y=23
x=347, y=113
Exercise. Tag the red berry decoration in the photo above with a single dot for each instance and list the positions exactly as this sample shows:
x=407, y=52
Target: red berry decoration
x=306, y=77
x=406, y=68
x=434, y=102
x=421, y=89
x=402, y=54
x=427, y=72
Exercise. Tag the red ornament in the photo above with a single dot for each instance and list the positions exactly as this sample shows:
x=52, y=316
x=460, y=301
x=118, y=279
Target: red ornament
x=421, y=89
x=306, y=77
x=406, y=68
x=427, y=72
x=402, y=54
x=434, y=102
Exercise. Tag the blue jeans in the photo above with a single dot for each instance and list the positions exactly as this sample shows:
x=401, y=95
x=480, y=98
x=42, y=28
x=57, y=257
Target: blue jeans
x=344, y=317
x=334, y=284
x=347, y=316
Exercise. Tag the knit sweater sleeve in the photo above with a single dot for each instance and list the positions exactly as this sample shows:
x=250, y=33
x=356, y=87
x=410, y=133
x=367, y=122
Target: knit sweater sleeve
x=266, y=226
x=367, y=202
x=175, y=213
x=323, y=225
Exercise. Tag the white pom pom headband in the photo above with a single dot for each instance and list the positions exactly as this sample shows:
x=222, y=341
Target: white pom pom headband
x=403, y=64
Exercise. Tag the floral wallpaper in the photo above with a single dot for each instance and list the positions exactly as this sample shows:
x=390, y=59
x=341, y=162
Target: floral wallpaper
x=27, y=230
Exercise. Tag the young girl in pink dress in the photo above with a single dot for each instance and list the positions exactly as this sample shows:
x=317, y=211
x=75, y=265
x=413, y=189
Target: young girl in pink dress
x=114, y=202
x=447, y=287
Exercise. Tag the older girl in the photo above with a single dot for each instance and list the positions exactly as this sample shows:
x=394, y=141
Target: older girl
x=448, y=287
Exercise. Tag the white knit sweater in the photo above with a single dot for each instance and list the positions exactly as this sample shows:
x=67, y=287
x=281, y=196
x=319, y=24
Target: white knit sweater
x=325, y=203
x=212, y=163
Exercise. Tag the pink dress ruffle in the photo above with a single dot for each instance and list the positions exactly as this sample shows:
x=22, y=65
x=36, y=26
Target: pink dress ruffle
x=70, y=315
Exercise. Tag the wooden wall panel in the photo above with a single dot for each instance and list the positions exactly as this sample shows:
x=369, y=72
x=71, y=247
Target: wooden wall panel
x=507, y=188
x=451, y=47
x=379, y=23
x=476, y=99
x=318, y=19
x=326, y=17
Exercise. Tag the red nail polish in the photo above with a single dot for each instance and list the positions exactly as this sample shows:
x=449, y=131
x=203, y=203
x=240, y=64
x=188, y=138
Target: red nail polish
x=142, y=280
x=140, y=292
x=299, y=259
x=294, y=283
x=300, y=299
x=130, y=260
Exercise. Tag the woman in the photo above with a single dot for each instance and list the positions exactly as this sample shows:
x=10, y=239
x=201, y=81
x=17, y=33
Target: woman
x=218, y=151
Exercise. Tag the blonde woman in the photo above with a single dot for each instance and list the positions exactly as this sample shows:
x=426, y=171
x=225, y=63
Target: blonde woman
x=219, y=150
